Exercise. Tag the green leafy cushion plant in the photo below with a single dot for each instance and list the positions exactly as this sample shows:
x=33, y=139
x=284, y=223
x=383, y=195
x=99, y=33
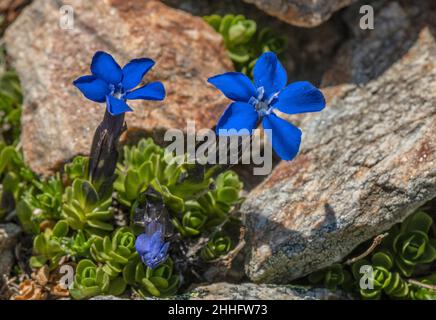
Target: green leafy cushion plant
x=384, y=279
x=147, y=164
x=219, y=245
x=331, y=277
x=158, y=282
x=78, y=246
x=90, y=280
x=84, y=209
x=11, y=99
x=422, y=293
x=243, y=41
x=48, y=246
x=115, y=253
x=412, y=245
x=77, y=168
x=42, y=201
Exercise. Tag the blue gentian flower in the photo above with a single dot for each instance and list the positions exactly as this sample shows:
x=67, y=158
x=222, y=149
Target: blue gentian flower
x=151, y=246
x=113, y=85
x=254, y=103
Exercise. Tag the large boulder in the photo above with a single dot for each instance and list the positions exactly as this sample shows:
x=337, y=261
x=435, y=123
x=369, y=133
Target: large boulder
x=367, y=161
x=303, y=13
x=58, y=122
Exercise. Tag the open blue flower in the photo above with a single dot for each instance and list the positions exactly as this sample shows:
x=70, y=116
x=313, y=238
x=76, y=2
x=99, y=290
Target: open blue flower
x=151, y=246
x=113, y=85
x=254, y=103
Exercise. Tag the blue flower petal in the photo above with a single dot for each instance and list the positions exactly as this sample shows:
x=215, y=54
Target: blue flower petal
x=142, y=244
x=300, y=97
x=238, y=115
x=134, y=71
x=105, y=67
x=235, y=86
x=92, y=88
x=116, y=106
x=284, y=136
x=156, y=243
x=269, y=73
x=164, y=251
x=151, y=91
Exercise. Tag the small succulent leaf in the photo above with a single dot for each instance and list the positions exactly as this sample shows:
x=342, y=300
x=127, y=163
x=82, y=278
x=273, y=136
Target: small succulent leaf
x=117, y=286
x=150, y=287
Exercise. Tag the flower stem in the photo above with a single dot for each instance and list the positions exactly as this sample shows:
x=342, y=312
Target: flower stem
x=104, y=154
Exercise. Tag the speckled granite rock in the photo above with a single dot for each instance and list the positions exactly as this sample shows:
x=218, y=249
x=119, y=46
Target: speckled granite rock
x=251, y=291
x=303, y=13
x=58, y=122
x=6, y=262
x=8, y=238
x=8, y=235
x=366, y=162
x=107, y=298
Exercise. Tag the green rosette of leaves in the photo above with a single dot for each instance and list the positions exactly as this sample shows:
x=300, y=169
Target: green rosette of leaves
x=331, y=277
x=48, y=246
x=79, y=245
x=115, y=253
x=158, y=282
x=147, y=164
x=411, y=243
x=42, y=201
x=219, y=245
x=90, y=280
x=193, y=219
x=237, y=32
x=77, y=168
x=83, y=209
x=384, y=279
x=269, y=40
x=218, y=203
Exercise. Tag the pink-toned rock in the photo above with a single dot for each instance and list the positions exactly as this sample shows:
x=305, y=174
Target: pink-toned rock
x=58, y=122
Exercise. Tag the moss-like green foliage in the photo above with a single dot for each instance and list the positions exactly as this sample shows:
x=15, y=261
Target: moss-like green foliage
x=48, y=246
x=243, y=41
x=115, y=253
x=160, y=282
x=219, y=245
x=83, y=209
x=90, y=280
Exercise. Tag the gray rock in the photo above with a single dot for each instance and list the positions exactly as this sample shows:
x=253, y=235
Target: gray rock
x=107, y=298
x=6, y=263
x=8, y=238
x=251, y=291
x=8, y=235
x=303, y=13
x=366, y=163
x=58, y=122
